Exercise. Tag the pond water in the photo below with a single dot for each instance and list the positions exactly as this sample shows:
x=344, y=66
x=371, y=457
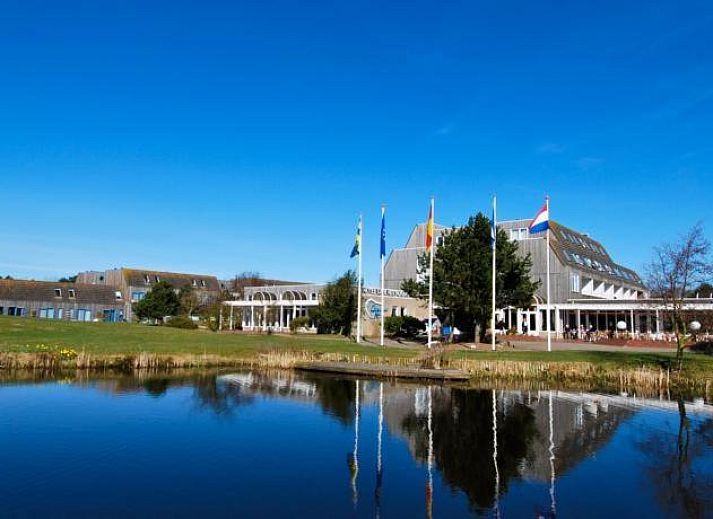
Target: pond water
x=287, y=444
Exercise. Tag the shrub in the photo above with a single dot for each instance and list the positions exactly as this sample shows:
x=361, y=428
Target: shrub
x=298, y=322
x=181, y=322
x=392, y=324
x=705, y=347
x=403, y=326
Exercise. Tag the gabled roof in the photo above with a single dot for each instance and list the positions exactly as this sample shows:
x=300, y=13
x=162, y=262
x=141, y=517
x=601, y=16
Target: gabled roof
x=580, y=251
x=139, y=277
x=45, y=291
x=417, y=238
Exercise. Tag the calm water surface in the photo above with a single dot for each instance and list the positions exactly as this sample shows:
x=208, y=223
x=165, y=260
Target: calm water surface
x=286, y=445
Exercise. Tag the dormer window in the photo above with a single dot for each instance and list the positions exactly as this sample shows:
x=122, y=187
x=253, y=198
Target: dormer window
x=72, y=293
x=194, y=283
x=147, y=279
x=203, y=283
x=157, y=278
x=117, y=295
x=58, y=292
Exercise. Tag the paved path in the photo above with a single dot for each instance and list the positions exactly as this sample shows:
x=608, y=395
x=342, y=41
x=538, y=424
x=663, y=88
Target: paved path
x=583, y=346
x=533, y=346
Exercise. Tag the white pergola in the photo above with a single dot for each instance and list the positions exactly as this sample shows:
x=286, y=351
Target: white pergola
x=273, y=308
x=642, y=316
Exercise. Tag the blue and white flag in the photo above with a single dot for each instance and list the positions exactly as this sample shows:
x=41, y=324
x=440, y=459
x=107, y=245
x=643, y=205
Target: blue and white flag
x=541, y=221
x=356, y=250
x=383, y=233
x=493, y=228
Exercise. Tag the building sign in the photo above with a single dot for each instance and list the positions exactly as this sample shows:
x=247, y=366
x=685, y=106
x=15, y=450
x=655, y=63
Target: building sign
x=373, y=309
x=387, y=292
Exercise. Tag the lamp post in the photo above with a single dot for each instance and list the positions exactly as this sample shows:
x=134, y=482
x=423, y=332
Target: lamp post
x=695, y=327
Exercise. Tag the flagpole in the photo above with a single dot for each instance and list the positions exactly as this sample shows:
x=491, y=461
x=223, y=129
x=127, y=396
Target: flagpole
x=361, y=240
x=495, y=244
x=383, y=309
x=549, y=310
x=430, y=275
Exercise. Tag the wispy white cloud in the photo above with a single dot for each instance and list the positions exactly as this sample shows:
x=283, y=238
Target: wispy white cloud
x=550, y=148
x=588, y=163
x=446, y=129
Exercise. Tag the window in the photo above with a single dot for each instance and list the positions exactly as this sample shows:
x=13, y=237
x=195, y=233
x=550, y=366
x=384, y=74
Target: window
x=518, y=234
x=72, y=293
x=314, y=296
x=147, y=279
x=84, y=315
x=439, y=240
x=157, y=278
x=575, y=282
x=58, y=292
x=203, y=283
x=194, y=282
x=137, y=296
x=117, y=295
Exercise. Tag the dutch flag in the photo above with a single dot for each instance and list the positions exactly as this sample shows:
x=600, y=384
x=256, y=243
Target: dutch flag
x=541, y=221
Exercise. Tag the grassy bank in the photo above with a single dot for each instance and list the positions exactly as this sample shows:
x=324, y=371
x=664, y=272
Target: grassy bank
x=40, y=344
x=29, y=335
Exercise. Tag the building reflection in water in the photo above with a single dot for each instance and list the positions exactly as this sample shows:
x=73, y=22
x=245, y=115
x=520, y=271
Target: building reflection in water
x=481, y=442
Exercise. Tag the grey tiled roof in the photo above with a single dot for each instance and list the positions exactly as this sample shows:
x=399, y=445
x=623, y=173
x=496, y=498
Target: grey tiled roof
x=21, y=290
x=581, y=251
x=137, y=277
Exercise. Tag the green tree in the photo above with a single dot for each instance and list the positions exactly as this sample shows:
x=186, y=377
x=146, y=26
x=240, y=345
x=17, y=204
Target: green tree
x=161, y=301
x=337, y=307
x=463, y=275
x=702, y=290
x=69, y=279
x=414, y=289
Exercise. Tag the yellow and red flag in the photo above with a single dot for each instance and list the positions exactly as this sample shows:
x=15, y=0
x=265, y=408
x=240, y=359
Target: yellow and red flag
x=429, y=229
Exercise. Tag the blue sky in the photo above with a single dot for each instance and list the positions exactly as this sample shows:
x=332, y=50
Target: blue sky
x=222, y=137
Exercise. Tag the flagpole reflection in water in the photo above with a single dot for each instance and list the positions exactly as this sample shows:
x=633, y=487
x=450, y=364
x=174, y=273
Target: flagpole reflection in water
x=379, y=473
x=429, y=482
x=496, y=503
x=354, y=461
x=553, y=504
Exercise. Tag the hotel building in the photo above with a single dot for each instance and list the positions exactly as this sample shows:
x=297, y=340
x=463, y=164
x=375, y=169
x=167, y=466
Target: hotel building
x=588, y=288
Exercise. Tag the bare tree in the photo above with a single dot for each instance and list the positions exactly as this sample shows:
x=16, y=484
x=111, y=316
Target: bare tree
x=243, y=280
x=675, y=269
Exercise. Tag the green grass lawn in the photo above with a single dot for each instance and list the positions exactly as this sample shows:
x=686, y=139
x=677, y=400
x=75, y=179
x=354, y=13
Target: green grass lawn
x=693, y=363
x=25, y=335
